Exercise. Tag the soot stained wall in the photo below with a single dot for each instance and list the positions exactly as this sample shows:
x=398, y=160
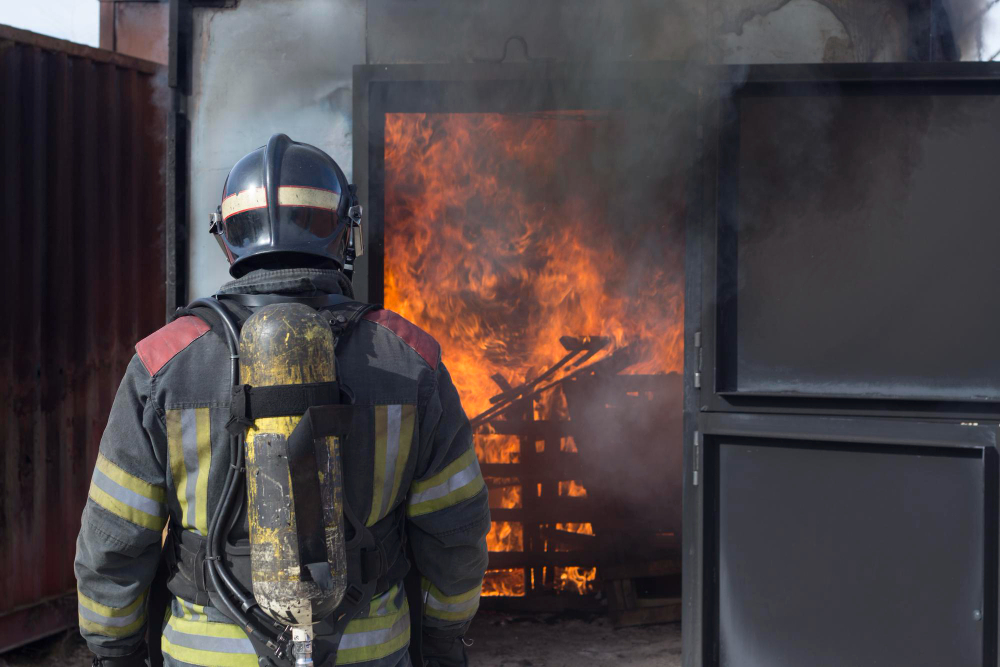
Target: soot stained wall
x=260, y=68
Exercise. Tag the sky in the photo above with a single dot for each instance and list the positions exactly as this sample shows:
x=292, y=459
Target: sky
x=75, y=20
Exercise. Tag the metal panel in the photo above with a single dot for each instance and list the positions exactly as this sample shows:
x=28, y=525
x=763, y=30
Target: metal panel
x=834, y=541
x=874, y=373
x=81, y=195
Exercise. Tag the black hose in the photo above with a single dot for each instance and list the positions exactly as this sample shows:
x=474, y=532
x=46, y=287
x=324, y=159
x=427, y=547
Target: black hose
x=221, y=578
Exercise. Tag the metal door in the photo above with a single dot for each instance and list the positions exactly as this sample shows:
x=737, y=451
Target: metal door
x=841, y=479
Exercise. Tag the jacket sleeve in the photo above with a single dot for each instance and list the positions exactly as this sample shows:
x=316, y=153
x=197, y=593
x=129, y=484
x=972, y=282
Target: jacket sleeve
x=448, y=513
x=118, y=548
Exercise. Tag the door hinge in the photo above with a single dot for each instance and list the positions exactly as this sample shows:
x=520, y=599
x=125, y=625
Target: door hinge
x=695, y=458
x=697, y=372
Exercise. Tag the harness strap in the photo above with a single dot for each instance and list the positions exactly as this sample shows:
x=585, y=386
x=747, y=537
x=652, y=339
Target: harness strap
x=251, y=403
x=185, y=553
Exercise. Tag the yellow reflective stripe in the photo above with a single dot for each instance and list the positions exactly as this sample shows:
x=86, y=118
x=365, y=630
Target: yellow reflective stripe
x=385, y=603
x=374, y=638
x=194, y=656
x=110, y=612
x=109, y=631
x=206, y=643
x=189, y=450
x=447, y=472
x=131, y=482
x=459, y=607
x=407, y=422
x=108, y=621
x=175, y=456
x=207, y=628
x=204, y=465
x=127, y=512
x=460, y=480
x=378, y=482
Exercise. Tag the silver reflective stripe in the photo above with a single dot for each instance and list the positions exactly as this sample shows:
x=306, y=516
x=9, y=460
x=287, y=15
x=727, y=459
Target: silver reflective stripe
x=189, y=608
x=434, y=603
x=127, y=496
x=112, y=621
x=206, y=643
x=453, y=483
x=376, y=637
x=396, y=594
x=383, y=607
x=394, y=414
x=189, y=438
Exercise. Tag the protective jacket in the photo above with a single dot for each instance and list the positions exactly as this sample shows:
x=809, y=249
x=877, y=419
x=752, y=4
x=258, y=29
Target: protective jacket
x=163, y=458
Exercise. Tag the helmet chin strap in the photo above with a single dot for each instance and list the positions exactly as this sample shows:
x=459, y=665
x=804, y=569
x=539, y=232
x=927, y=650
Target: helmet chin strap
x=355, y=235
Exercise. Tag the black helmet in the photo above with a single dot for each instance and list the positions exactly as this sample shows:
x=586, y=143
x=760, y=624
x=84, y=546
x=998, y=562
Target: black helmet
x=287, y=197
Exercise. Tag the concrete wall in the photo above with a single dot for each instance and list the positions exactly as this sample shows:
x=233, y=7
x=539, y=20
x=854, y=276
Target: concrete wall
x=261, y=68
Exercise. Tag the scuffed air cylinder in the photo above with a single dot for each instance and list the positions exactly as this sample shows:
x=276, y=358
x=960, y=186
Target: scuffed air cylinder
x=283, y=344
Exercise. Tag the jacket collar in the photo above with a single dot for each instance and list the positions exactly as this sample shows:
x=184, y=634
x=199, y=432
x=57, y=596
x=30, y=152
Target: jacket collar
x=300, y=282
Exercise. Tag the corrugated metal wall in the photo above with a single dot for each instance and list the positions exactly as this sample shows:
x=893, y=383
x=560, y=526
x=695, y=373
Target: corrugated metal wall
x=82, y=214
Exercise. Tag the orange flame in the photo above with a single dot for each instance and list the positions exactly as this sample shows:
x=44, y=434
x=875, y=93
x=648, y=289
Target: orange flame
x=493, y=253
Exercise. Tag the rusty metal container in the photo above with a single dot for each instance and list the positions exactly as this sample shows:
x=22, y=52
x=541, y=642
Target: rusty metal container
x=82, y=215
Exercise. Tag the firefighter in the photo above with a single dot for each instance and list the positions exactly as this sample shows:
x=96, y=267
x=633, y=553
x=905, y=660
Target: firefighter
x=288, y=225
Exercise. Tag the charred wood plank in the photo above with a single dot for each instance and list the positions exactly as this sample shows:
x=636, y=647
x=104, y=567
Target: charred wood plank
x=659, y=568
x=542, y=604
x=539, y=430
x=568, y=466
x=664, y=611
x=563, y=510
x=517, y=559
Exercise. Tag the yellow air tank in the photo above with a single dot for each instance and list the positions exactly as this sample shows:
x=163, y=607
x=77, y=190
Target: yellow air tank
x=294, y=484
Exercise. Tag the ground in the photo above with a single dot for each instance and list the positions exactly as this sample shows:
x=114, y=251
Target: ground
x=503, y=640
x=499, y=640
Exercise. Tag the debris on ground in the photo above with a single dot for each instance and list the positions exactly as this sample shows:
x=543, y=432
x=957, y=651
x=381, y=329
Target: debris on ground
x=568, y=639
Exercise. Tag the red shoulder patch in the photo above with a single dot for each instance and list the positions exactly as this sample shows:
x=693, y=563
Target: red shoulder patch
x=418, y=339
x=156, y=349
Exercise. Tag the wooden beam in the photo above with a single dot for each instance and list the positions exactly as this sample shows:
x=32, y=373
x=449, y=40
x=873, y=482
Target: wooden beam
x=667, y=612
x=542, y=604
x=536, y=430
x=658, y=568
x=516, y=559
x=561, y=510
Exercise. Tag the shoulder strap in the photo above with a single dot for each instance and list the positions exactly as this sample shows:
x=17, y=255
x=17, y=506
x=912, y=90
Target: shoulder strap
x=210, y=317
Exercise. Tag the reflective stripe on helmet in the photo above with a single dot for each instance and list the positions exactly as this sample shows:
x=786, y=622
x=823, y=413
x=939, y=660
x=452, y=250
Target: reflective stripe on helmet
x=243, y=201
x=394, y=425
x=288, y=195
x=291, y=195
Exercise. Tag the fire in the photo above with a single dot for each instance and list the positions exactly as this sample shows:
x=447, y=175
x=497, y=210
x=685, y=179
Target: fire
x=501, y=238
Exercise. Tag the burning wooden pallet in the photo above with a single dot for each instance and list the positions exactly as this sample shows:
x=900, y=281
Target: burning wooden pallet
x=571, y=522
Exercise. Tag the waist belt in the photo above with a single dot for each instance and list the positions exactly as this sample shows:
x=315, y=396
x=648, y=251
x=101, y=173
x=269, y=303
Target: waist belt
x=185, y=553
